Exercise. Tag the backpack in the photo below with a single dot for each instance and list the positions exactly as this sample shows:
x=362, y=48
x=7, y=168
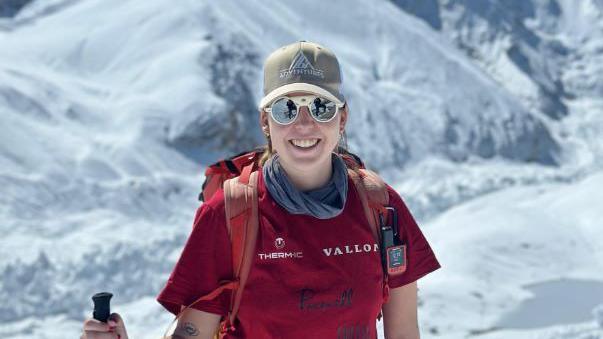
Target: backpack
x=237, y=176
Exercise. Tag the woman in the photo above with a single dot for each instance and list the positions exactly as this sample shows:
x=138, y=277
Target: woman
x=318, y=268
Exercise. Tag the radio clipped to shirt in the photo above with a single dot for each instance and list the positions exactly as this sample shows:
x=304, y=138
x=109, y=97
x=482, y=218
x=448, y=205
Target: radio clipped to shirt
x=393, y=251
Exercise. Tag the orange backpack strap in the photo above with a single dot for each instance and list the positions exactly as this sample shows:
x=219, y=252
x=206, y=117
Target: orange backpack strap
x=373, y=195
x=241, y=208
x=241, y=205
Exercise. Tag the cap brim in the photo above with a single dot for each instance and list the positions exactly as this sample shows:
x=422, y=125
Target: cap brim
x=298, y=87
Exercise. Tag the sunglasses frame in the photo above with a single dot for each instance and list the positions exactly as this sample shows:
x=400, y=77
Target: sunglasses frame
x=300, y=101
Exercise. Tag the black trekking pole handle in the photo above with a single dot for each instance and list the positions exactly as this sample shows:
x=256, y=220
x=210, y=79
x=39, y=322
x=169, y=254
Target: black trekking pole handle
x=102, y=308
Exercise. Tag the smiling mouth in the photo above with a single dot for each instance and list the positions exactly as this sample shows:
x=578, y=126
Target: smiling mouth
x=305, y=144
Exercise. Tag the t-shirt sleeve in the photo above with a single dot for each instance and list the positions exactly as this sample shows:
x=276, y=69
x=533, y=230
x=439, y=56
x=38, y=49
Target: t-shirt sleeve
x=204, y=262
x=421, y=259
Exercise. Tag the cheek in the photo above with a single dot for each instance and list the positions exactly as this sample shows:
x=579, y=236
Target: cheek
x=332, y=131
x=277, y=136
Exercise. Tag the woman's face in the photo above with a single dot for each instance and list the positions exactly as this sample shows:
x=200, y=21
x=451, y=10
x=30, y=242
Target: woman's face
x=305, y=129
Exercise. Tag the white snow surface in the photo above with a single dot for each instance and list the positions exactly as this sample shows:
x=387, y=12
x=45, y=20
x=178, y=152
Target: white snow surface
x=111, y=109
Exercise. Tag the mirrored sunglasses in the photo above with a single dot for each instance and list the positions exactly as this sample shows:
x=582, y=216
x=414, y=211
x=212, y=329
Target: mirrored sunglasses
x=284, y=110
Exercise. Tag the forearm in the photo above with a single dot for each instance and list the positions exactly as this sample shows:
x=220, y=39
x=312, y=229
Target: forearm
x=195, y=324
x=413, y=335
x=189, y=331
x=400, y=319
x=410, y=332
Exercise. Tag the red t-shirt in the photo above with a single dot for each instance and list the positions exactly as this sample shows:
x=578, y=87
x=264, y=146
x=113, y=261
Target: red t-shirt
x=310, y=277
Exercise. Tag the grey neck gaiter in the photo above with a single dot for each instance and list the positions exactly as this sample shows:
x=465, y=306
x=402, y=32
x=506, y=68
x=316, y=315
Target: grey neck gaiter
x=323, y=203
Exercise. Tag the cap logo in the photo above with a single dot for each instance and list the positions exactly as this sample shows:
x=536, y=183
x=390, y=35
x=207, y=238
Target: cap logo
x=301, y=66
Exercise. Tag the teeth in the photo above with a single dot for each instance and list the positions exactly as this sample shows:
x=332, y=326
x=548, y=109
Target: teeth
x=305, y=143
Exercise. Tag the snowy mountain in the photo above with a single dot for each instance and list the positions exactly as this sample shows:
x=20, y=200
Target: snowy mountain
x=487, y=116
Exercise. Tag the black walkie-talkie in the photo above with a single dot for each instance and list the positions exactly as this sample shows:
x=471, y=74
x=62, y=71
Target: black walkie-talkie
x=393, y=252
x=102, y=307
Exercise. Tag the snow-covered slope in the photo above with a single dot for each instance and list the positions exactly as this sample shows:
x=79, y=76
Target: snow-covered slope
x=109, y=111
x=547, y=53
x=493, y=247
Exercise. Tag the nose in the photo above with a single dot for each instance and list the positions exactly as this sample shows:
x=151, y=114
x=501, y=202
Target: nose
x=304, y=117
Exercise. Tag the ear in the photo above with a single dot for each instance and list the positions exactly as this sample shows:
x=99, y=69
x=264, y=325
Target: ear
x=264, y=122
x=344, y=117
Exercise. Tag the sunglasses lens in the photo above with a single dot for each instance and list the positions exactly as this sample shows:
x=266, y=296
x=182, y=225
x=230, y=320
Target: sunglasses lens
x=284, y=110
x=323, y=109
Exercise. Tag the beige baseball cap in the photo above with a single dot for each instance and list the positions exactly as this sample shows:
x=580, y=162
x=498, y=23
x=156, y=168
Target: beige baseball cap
x=302, y=67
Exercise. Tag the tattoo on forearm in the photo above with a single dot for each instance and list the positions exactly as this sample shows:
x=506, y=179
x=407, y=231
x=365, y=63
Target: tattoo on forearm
x=186, y=330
